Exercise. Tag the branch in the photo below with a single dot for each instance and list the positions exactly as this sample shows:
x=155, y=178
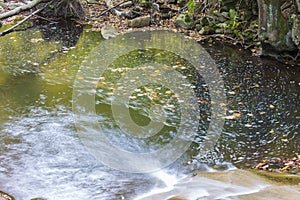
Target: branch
x=112, y=8
x=21, y=9
x=11, y=29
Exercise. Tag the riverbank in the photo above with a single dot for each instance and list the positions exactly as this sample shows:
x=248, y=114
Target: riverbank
x=199, y=20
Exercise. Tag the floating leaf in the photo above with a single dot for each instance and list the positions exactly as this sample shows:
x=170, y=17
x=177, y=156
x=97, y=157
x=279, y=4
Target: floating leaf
x=271, y=106
x=233, y=116
x=168, y=92
x=272, y=131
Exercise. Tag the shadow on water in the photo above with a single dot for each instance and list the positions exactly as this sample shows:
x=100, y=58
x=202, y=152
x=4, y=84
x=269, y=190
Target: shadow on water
x=41, y=155
x=66, y=31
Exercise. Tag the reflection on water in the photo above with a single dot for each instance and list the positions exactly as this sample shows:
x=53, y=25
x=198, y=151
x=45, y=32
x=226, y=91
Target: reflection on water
x=41, y=155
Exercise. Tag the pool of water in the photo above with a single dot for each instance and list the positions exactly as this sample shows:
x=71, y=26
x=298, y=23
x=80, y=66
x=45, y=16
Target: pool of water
x=41, y=154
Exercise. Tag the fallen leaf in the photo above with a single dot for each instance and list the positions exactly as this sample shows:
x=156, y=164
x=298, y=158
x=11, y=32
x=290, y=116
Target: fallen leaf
x=271, y=106
x=272, y=131
x=233, y=116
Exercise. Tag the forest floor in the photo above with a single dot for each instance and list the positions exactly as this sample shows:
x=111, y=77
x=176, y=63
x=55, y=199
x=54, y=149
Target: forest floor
x=206, y=21
x=163, y=17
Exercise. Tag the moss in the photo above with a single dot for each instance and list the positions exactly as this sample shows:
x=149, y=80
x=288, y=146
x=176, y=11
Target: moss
x=282, y=178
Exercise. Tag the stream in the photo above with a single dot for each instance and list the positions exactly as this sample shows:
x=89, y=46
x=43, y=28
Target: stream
x=42, y=153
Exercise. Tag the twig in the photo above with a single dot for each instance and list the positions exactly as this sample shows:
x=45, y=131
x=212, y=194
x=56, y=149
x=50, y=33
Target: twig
x=20, y=9
x=94, y=3
x=43, y=18
x=113, y=7
x=11, y=29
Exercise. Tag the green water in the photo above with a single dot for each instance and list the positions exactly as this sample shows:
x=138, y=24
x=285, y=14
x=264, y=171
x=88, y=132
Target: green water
x=41, y=154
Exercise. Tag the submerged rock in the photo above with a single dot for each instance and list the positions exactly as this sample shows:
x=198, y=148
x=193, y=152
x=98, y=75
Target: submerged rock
x=108, y=32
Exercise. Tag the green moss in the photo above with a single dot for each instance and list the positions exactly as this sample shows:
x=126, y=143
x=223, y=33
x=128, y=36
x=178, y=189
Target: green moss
x=283, y=178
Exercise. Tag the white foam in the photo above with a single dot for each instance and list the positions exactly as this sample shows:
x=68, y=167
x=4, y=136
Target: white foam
x=193, y=188
x=169, y=181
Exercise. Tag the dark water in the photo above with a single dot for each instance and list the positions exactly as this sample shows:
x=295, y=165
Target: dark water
x=41, y=154
x=267, y=95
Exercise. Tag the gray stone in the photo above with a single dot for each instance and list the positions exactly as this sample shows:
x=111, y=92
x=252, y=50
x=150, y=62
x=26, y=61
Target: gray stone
x=204, y=30
x=108, y=32
x=297, y=5
x=296, y=30
x=140, y=22
x=184, y=21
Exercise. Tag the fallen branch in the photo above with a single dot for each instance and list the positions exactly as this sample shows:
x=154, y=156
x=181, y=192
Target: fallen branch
x=21, y=9
x=11, y=29
x=112, y=8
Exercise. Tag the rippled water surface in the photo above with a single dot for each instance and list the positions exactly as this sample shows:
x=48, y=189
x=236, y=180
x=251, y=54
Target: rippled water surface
x=41, y=154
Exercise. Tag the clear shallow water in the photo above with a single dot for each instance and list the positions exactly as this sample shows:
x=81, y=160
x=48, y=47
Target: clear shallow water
x=42, y=156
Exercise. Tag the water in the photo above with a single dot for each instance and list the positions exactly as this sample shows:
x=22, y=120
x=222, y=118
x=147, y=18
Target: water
x=41, y=154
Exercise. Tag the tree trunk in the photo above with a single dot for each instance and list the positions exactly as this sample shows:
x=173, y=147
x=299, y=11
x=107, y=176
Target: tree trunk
x=275, y=32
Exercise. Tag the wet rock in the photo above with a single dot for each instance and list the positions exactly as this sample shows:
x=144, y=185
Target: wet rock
x=5, y=196
x=233, y=184
x=108, y=32
x=184, y=21
x=139, y=22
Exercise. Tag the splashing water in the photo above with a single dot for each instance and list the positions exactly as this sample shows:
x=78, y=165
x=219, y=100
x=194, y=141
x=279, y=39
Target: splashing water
x=168, y=180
